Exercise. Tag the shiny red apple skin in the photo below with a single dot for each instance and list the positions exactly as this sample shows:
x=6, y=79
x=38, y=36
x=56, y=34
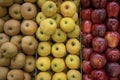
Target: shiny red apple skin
x=86, y=77
x=86, y=26
x=98, y=16
x=112, y=55
x=97, y=60
x=99, y=75
x=86, y=13
x=86, y=66
x=112, y=24
x=86, y=52
x=112, y=9
x=99, y=44
x=112, y=69
x=98, y=30
x=112, y=38
x=99, y=3
x=87, y=40
x=85, y=3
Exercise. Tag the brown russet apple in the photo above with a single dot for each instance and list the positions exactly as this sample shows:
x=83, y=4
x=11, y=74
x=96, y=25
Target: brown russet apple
x=1, y=25
x=27, y=76
x=4, y=62
x=3, y=11
x=6, y=3
x=18, y=1
x=3, y=73
x=31, y=1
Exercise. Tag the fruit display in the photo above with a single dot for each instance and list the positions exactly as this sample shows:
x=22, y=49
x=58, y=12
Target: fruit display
x=100, y=39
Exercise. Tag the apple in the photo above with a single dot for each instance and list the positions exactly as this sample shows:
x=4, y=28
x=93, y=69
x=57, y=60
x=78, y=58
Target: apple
x=98, y=30
x=74, y=75
x=43, y=76
x=86, y=52
x=28, y=27
x=86, y=77
x=43, y=63
x=48, y=26
x=68, y=8
x=67, y=24
x=113, y=78
x=1, y=25
x=6, y=3
x=3, y=11
x=72, y=61
x=58, y=4
x=57, y=65
x=28, y=10
x=27, y=76
x=18, y=1
x=31, y=1
x=86, y=13
x=99, y=3
x=76, y=2
x=12, y=27
x=6, y=17
x=59, y=36
x=99, y=44
x=85, y=3
x=49, y=8
x=40, y=17
x=97, y=61
x=3, y=73
x=98, y=16
x=44, y=48
x=73, y=46
x=112, y=9
x=42, y=36
x=14, y=11
x=58, y=50
x=75, y=17
x=112, y=39
x=41, y=2
x=4, y=62
x=59, y=76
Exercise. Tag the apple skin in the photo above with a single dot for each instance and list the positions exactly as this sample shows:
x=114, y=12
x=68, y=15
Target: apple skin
x=113, y=78
x=86, y=52
x=99, y=44
x=112, y=39
x=98, y=16
x=99, y=3
x=86, y=77
x=112, y=24
x=112, y=9
x=86, y=26
x=97, y=61
x=85, y=3
x=98, y=30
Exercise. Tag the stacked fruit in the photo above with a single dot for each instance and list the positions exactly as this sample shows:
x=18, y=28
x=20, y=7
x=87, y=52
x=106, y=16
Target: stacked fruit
x=59, y=47
x=100, y=37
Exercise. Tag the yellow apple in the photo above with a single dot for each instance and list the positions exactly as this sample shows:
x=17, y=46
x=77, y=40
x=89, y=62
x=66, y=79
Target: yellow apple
x=59, y=76
x=75, y=17
x=41, y=2
x=58, y=4
x=74, y=75
x=72, y=61
x=41, y=36
x=73, y=46
x=44, y=48
x=58, y=50
x=48, y=26
x=40, y=17
x=43, y=76
x=75, y=33
x=67, y=24
x=58, y=65
x=59, y=36
x=76, y=2
x=43, y=63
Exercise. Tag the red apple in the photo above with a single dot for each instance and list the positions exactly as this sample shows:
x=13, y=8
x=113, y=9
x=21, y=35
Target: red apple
x=112, y=24
x=86, y=67
x=86, y=13
x=112, y=9
x=98, y=61
x=99, y=44
x=99, y=75
x=113, y=78
x=99, y=3
x=113, y=69
x=86, y=77
x=118, y=29
x=85, y=3
x=86, y=26
x=98, y=16
x=87, y=40
x=98, y=30
x=112, y=39
x=112, y=54
x=86, y=52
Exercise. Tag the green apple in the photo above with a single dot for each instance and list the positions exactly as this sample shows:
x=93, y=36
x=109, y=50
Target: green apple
x=49, y=8
x=75, y=33
x=48, y=26
x=74, y=75
x=43, y=63
x=40, y=17
x=58, y=65
x=59, y=36
x=44, y=48
x=59, y=76
x=41, y=2
x=72, y=61
x=43, y=76
x=67, y=24
x=73, y=46
x=58, y=50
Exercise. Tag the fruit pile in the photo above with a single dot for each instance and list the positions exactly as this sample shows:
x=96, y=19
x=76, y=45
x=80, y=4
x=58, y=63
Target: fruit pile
x=100, y=39
x=40, y=35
